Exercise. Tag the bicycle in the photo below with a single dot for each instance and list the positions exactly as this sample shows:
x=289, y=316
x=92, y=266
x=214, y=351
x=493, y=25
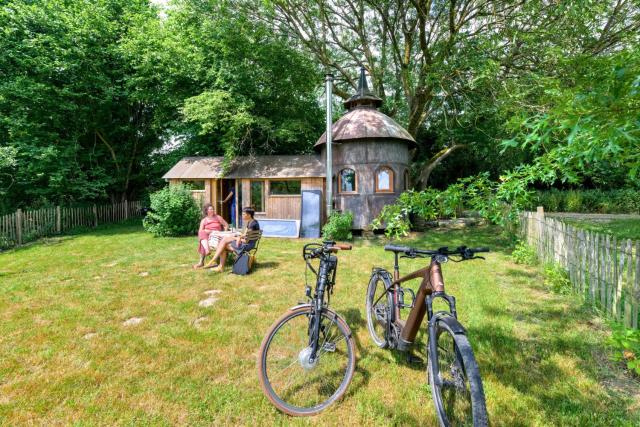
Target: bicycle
x=452, y=371
x=307, y=358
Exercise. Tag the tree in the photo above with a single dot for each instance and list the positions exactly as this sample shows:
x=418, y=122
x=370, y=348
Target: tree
x=424, y=56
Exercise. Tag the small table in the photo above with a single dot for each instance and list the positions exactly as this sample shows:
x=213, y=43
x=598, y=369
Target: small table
x=216, y=236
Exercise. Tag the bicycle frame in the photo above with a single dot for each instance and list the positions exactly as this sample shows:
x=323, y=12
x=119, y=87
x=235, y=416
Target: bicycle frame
x=326, y=277
x=431, y=287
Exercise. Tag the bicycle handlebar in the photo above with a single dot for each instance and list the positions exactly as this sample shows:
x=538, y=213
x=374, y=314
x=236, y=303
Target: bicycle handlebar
x=461, y=250
x=342, y=246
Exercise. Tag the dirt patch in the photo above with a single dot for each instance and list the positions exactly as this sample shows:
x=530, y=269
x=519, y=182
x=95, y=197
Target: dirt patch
x=618, y=380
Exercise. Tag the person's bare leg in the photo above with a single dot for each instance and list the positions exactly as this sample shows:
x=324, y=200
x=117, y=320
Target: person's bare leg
x=223, y=258
x=201, y=263
x=221, y=247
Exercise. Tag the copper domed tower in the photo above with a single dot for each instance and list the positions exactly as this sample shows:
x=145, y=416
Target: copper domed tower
x=370, y=157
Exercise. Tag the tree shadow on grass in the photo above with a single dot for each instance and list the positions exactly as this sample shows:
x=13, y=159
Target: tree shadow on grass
x=546, y=356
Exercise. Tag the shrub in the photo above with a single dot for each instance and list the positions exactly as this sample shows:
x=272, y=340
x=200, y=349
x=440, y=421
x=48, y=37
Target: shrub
x=173, y=212
x=625, y=200
x=338, y=227
x=524, y=254
x=626, y=345
x=557, y=279
x=573, y=201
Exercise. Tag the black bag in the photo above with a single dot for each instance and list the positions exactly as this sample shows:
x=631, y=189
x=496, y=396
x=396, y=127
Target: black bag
x=242, y=264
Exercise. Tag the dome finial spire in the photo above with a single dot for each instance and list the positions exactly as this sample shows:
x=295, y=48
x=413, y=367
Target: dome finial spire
x=363, y=96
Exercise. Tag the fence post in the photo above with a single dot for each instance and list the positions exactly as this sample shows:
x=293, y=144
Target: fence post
x=95, y=215
x=58, y=220
x=19, y=226
x=126, y=209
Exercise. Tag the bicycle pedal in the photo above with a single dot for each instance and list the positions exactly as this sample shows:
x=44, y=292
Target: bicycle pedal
x=414, y=360
x=330, y=346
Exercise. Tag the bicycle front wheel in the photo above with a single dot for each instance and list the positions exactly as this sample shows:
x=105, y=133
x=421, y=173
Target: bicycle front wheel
x=454, y=376
x=296, y=383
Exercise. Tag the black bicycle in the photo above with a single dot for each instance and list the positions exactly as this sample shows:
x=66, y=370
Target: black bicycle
x=307, y=358
x=453, y=373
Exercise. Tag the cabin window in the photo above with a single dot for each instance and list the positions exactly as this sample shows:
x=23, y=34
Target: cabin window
x=384, y=180
x=406, y=179
x=256, y=195
x=347, y=180
x=193, y=185
x=284, y=188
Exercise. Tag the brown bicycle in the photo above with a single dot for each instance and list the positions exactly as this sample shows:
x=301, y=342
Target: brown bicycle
x=452, y=371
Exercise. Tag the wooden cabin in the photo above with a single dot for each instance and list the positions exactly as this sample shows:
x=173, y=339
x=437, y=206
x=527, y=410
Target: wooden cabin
x=370, y=157
x=370, y=164
x=272, y=185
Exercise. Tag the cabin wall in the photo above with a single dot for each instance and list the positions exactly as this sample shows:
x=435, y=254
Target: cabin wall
x=365, y=158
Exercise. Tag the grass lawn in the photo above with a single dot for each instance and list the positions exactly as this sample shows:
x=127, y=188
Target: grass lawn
x=68, y=357
x=621, y=228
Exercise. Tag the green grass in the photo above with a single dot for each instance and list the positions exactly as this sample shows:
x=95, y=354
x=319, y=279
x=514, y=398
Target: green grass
x=67, y=358
x=621, y=228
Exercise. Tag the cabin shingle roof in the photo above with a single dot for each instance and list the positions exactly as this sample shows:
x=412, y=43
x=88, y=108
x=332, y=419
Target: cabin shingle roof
x=300, y=166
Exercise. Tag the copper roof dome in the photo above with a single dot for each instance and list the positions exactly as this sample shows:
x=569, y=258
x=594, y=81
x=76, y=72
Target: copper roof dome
x=363, y=120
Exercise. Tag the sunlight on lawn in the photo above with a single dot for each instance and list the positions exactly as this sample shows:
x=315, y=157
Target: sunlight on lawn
x=72, y=353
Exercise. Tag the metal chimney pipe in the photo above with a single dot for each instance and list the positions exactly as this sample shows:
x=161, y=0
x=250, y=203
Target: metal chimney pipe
x=329, y=135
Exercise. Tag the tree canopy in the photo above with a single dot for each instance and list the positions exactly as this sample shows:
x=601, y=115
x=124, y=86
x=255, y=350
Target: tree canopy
x=99, y=98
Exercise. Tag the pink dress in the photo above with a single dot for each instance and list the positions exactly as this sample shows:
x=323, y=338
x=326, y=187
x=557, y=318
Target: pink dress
x=210, y=224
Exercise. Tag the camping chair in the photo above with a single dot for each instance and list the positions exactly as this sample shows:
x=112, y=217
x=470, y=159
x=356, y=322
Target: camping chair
x=245, y=259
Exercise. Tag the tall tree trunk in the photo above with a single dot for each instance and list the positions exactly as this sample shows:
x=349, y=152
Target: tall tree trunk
x=425, y=173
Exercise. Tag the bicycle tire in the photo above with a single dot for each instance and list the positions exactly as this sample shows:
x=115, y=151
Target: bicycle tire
x=279, y=397
x=463, y=403
x=372, y=318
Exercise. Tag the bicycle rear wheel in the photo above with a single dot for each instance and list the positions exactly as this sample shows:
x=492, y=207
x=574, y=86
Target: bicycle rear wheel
x=293, y=383
x=378, y=306
x=454, y=376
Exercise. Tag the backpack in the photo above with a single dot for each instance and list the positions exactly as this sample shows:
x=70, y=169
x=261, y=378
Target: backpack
x=242, y=266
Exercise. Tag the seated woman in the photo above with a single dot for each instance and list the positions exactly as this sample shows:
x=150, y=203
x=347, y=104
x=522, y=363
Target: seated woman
x=237, y=244
x=211, y=222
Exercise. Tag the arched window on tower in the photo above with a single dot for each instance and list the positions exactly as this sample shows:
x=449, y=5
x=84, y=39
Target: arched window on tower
x=384, y=180
x=406, y=179
x=347, y=181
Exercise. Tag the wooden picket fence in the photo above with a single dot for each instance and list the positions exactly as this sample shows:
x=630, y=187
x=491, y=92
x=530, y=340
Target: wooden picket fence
x=602, y=268
x=24, y=226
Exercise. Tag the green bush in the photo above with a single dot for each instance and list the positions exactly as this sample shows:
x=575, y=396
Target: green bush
x=497, y=202
x=626, y=345
x=557, y=279
x=338, y=227
x=174, y=212
x=524, y=254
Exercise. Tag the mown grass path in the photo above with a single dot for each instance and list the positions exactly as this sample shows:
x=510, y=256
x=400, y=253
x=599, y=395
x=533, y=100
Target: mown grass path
x=67, y=356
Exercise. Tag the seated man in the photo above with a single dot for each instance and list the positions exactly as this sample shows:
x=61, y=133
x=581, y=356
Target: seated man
x=237, y=244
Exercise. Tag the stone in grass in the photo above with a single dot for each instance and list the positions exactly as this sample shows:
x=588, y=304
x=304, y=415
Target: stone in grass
x=208, y=302
x=143, y=274
x=133, y=321
x=90, y=335
x=198, y=323
x=212, y=292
